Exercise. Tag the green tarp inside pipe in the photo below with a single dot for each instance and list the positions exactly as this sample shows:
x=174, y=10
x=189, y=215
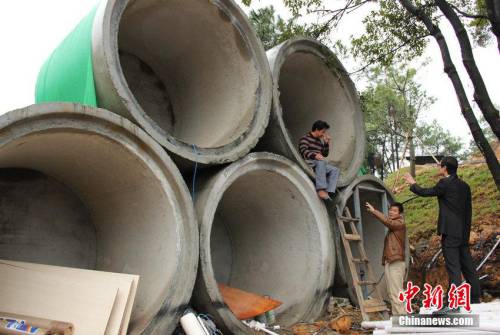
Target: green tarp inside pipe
x=67, y=74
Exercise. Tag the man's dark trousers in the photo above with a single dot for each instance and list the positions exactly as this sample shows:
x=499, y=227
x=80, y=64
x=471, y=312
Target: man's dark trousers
x=458, y=261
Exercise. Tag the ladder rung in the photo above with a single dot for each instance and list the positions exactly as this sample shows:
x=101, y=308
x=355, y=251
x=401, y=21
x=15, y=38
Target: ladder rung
x=373, y=302
x=366, y=282
x=360, y=260
x=352, y=237
x=345, y=218
x=379, y=308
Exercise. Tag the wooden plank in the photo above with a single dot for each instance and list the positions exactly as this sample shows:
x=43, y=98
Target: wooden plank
x=352, y=237
x=359, y=260
x=45, y=295
x=246, y=305
x=374, y=309
x=348, y=219
x=367, y=282
x=125, y=283
x=373, y=302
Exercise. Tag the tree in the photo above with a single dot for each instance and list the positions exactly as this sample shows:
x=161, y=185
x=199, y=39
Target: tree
x=493, y=11
x=397, y=31
x=465, y=106
x=392, y=104
x=273, y=30
x=438, y=141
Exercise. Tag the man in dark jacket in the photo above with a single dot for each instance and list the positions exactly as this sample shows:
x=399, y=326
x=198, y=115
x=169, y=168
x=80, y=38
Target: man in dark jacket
x=394, y=253
x=314, y=147
x=455, y=216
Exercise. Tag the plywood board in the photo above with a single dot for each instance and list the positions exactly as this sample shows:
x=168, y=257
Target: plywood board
x=46, y=295
x=126, y=284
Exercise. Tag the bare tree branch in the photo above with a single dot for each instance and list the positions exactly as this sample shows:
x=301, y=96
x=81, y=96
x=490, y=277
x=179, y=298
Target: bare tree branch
x=468, y=15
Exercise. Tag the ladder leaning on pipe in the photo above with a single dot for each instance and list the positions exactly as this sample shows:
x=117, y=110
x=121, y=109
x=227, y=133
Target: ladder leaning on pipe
x=367, y=305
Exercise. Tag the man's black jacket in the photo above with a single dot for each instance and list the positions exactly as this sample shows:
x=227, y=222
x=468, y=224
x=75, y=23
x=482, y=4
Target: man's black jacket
x=455, y=206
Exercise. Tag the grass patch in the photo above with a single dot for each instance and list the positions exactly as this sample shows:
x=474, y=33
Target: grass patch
x=421, y=214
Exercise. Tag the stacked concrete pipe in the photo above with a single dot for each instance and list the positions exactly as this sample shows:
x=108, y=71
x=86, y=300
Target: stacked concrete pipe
x=373, y=233
x=191, y=73
x=82, y=187
x=263, y=230
x=311, y=84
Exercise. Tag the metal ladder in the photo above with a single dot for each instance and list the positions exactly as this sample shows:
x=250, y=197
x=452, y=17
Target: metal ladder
x=375, y=304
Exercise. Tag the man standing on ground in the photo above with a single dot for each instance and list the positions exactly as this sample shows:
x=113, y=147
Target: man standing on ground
x=314, y=147
x=455, y=216
x=394, y=253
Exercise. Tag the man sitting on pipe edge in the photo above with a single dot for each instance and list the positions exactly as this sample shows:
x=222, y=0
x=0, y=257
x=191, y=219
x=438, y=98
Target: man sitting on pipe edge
x=314, y=147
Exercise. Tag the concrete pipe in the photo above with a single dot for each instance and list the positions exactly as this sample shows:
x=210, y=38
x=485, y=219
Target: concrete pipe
x=263, y=230
x=363, y=189
x=189, y=72
x=311, y=84
x=83, y=187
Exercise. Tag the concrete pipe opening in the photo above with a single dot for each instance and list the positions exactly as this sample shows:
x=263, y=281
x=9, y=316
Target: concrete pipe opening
x=311, y=84
x=263, y=230
x=85, y=188
x=189, y=72
x=373, y=190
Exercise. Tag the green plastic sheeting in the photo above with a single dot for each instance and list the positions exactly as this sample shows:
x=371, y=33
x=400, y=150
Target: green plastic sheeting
x=67, y=75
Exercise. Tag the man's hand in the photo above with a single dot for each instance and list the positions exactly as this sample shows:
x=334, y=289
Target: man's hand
x=369, y=207
x=326, y=138
x=409, y=179
x=319, y=157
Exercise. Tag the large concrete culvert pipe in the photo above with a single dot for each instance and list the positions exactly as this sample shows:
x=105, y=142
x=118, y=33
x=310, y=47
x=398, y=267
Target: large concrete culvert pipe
x=363, y=189
x=189, y=72
x=83, y=187
x=311, y=84
x=263, y=230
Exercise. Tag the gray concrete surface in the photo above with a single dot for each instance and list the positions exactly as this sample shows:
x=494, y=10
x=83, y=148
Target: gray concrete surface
x=373, y=235
x=264, y=230
x=83, y=187
x=310, y=84
x=189, y=72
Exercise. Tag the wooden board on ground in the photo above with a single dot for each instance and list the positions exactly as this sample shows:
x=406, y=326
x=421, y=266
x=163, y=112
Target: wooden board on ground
x=246, y=305
x=89, y=287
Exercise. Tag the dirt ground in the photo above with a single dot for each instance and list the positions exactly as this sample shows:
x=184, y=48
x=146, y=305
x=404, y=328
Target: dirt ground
x=423, y=249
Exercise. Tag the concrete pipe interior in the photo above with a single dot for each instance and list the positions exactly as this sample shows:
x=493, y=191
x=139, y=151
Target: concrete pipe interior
x=190, y=68
x=310, y=90
x=263, y=230
x=264, y=240
x=71, y=196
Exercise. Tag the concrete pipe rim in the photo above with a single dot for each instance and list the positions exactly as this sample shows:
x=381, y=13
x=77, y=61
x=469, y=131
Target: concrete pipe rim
x=224, y=179
x=48, y=118
x=344, y=196
x=316, y=48
x=112, y=11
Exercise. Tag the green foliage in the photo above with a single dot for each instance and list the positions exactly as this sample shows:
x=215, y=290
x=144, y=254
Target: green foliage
x=421, y=214
x=438, y=141
x=273, y=30
x=392, y=35
x=475, y=13
x=391, y=106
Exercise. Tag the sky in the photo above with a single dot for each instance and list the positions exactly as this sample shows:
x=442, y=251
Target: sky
x=31, y=29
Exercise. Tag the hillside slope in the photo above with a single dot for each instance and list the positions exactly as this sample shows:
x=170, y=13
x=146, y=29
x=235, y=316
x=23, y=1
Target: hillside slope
x=421, y=218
